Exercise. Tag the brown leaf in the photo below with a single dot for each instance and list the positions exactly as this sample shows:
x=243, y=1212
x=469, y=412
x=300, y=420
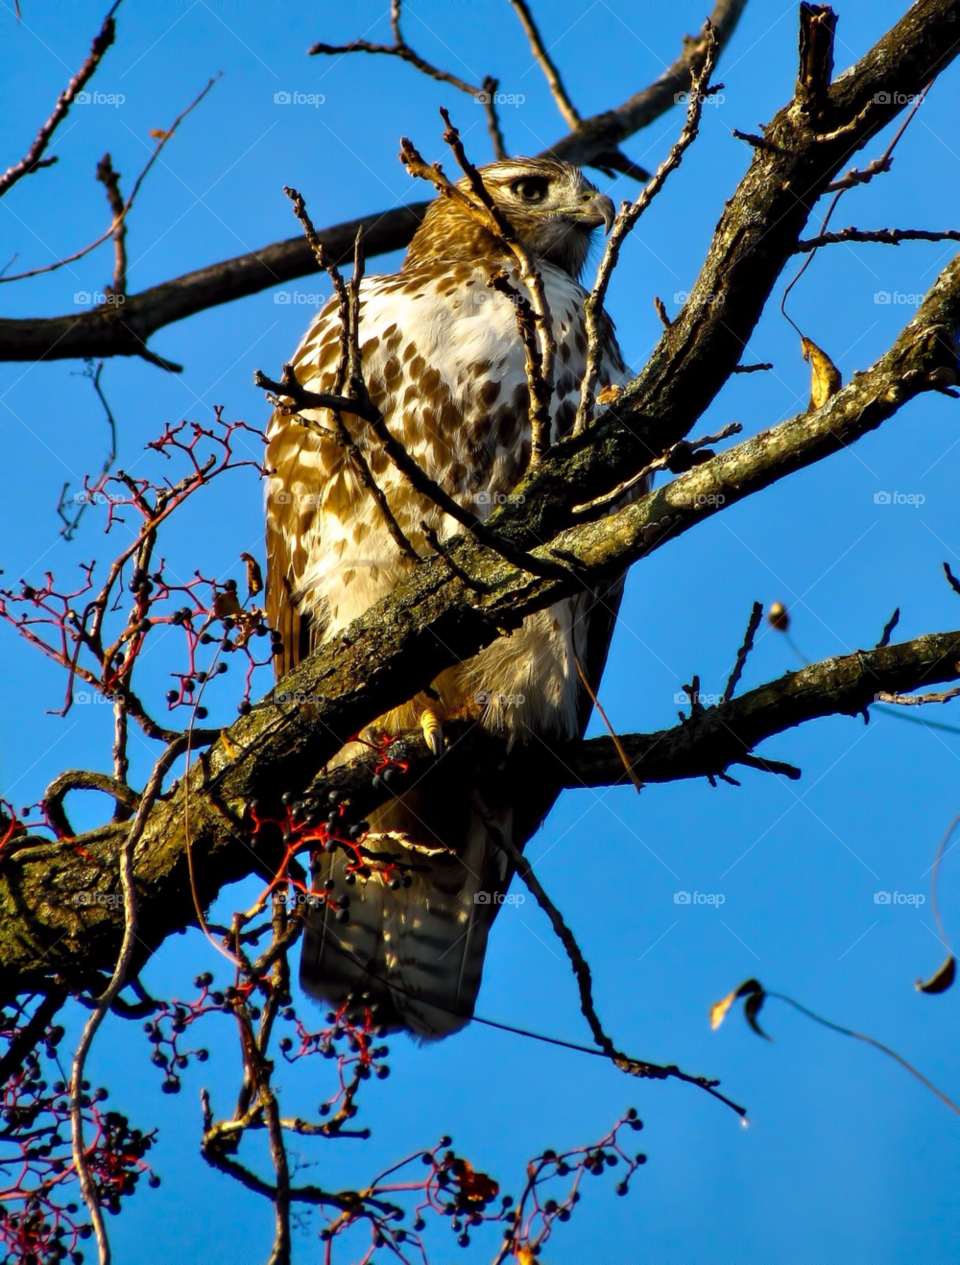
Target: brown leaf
x=226, y=604
x=159, y=134
x=825, y=377
x=254, y=574
x=474, y=1187
x=941, y=981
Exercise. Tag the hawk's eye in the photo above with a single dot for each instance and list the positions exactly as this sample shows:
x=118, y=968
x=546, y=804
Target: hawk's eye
x=531, y=188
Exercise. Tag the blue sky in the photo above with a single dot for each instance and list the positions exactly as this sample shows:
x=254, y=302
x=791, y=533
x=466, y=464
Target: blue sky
x=846, y=1158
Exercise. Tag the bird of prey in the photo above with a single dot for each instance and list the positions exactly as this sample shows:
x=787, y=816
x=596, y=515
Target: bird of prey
x=444, y=362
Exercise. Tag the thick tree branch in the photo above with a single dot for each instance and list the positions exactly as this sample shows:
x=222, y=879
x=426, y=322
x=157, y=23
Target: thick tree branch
x=59, y=900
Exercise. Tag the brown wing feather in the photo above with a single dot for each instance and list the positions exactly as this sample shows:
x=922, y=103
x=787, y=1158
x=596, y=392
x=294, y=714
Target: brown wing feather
x=286, y=555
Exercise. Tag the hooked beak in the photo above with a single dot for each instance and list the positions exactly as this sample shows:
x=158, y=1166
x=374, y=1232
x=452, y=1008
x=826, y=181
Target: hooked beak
x=595, y=210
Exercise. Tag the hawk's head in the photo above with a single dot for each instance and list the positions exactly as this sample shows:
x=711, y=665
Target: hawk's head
x=551, y=205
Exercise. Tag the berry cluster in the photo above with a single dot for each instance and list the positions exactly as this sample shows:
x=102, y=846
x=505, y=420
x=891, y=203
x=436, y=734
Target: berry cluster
x=77, y=627
x=331, y=825
x=39, y=1224
x=172, y=1020
x=351, y=1040
x=452, y=1188
x=530, y=1223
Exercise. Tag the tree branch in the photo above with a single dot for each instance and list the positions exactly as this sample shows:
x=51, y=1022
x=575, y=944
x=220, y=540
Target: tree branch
x=33, y=159
x=47, y=931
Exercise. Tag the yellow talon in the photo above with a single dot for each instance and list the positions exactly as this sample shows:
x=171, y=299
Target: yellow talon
x=432, y=729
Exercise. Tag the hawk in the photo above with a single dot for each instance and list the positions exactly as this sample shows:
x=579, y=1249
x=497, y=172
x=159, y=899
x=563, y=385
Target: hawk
x=444, y=363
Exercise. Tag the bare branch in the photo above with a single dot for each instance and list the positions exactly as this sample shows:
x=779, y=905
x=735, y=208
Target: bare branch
x=120, y=209
x=559, y=93
x=755, y=616
x=885, y=236
x=485, y=94
x=627, y=218
x=33, y=159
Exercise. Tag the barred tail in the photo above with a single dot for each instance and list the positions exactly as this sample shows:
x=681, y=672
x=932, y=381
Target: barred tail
x=415, y=953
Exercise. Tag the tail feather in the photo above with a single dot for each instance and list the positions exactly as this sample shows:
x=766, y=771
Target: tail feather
x=414, y=954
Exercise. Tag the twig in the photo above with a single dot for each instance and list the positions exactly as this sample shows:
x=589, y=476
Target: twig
x=666, y=461
x=539, y=370
x=33, y=159
x=627, y=218
x=878, y=166
x=888, y=629
x=581, y=970
x=917, y=700
x=614, y=737
x=70, y=525
x=951, y=578
x=87, y=1185
x=557, y=90
x=616, y=161
x=29, y=1035
x=485, y=94
x=417, y=477
x=885, y=236
x=877, y=1045
x=756, y=141
x=110, y=180
x=112, y=230
x=754, y=623
x=758, y=368
x=359, y=402
x=839, y=187
x=81, y=780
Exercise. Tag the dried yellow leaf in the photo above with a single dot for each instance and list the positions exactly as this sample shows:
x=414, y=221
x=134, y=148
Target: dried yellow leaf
x=825, y=377
x=718, y=1011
